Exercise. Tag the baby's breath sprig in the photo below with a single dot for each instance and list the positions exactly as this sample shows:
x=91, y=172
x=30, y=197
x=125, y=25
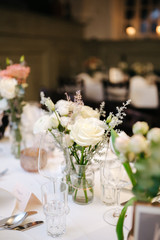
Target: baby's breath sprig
x=78, y=98
x=101, y=110
x=121, y=113
x=68, y=97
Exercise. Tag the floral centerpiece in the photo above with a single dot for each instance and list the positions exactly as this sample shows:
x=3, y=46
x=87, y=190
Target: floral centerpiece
x=12, y=91
x=138, y=68
x=84, y=132
x=142, y=150
x=93, y=65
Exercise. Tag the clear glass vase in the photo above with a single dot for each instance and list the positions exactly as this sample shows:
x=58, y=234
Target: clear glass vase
x=82, y=185
x=16, y=139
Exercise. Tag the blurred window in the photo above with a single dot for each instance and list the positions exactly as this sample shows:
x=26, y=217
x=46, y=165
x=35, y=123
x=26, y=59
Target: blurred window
x=143, y=16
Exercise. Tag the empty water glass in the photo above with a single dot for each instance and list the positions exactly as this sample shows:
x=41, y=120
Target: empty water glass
x=107, y=190
x=55, y=206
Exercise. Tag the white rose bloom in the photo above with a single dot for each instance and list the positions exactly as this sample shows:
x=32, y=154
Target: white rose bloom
x=63, y=107
x=154, y=135
x=44, y=123
x=87, y=112
x=64, y=121
x=138, y=144
x=68, y=141
x=3, y=105
x=87, y=131
x=55, y=120
x=140, y=127
x=122, y=143
x=8, y=87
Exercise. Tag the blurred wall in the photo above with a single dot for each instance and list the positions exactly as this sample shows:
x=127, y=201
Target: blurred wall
x=54, y=48
x=50, y=46
x=144, y=51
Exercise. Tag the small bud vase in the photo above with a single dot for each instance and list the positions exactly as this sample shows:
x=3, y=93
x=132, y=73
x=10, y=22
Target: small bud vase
x=16, y=139
x=82, y=184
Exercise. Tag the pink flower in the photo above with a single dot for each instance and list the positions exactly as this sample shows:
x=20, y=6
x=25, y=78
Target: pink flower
x=16, y=71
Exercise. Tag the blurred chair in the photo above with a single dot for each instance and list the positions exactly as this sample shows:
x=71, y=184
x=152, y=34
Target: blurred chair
x=142, y=93
x=92, y=87
x=116, y=92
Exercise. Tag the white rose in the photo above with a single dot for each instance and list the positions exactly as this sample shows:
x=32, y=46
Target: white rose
x=44, y=123
x=154, y=135
x=87, y=131
x=64, y=121
x=138, y=144
x=68, y=141
x=55, y=120
x=87, y=112
x=140, y=127
x=122, y=143
x=63, y=107
x=8, y=87
x=3, y=105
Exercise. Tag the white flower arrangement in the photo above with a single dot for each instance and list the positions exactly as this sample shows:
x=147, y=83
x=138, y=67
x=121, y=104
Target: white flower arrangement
x=85, y=134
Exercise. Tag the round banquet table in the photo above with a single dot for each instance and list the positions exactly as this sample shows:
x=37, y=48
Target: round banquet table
x=84, y=222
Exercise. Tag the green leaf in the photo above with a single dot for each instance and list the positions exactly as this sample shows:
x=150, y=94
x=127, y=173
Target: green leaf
x=61, y=128
x=22, y=59
x=119, y=227
x=8, y=61
x=114, y=135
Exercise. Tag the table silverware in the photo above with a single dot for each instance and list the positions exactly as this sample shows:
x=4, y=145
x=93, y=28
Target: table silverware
x=3, y=172
x=27, y=226
x=15, y=220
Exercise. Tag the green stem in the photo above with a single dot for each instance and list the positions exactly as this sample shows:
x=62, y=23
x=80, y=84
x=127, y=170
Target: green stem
x=84, y=187
x=75, y=194
x=81, y=180
x=82, y=158
x=129, y=172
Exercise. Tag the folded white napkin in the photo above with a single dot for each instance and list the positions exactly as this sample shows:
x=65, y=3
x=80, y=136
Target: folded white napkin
x=31, y=112
x=26, y=200
x=7, y=203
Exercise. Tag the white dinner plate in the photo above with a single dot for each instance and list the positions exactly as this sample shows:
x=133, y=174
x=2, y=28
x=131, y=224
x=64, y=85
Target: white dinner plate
x=14, y=235
x=7, y=203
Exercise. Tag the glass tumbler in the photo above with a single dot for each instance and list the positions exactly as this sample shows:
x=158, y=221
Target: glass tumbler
x=55, y=206
x=107, y=190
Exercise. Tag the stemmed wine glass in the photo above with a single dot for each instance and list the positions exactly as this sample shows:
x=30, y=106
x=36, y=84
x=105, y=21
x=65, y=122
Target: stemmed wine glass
x=115, y=175
x=53, y=156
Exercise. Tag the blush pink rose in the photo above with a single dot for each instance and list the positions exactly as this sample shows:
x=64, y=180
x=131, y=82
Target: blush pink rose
x=16, y=71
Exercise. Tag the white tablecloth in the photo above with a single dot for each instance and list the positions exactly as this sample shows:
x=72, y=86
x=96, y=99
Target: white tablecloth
x=83, y=222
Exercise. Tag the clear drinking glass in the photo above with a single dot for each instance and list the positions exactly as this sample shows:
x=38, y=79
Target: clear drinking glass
x=55, y=206
x=115, y=175
x=107, y=189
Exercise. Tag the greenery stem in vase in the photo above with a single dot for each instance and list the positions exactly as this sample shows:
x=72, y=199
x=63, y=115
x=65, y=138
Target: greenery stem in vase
x=83, y=185
x=16, y=139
